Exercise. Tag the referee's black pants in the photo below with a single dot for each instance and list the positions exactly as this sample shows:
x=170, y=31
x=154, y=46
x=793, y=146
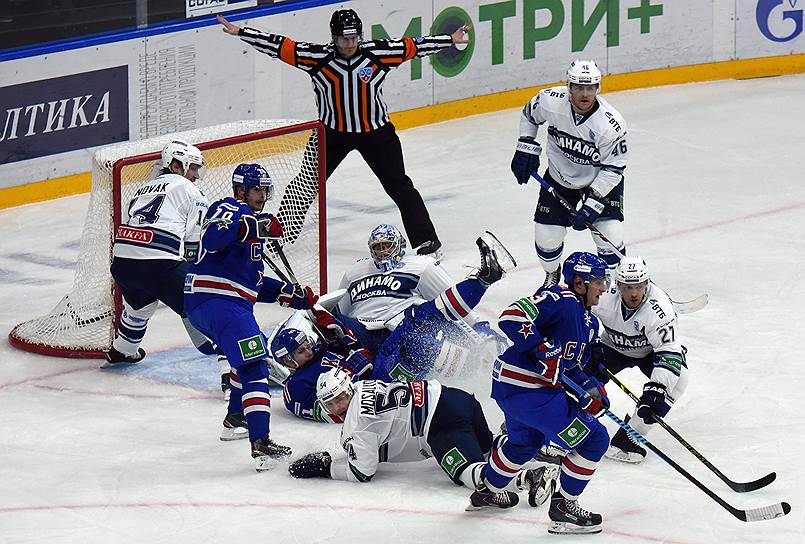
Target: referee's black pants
x=382, y=151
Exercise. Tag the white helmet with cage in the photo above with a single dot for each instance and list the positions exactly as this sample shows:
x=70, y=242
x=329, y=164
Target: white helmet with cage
x=583, y=72
x=182, y=152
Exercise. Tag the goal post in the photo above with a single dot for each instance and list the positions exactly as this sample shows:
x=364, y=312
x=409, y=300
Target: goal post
x=83, y=323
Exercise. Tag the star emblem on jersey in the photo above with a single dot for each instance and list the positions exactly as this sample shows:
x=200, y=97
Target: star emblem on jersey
x=588, y=320
x=525, y=330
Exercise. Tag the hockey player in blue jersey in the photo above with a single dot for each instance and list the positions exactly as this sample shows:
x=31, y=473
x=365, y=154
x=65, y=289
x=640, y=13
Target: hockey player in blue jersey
x=551, y=332
x=307, y=359
x=221, y=289
x=418, y=342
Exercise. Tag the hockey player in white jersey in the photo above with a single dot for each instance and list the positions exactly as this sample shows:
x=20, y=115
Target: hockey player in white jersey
x=587, y=154
x=380, y=288
x=158, y=236
x=641, y=330
x=403, y=422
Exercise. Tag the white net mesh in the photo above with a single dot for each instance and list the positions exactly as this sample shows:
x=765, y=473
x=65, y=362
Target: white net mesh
x=82, y=323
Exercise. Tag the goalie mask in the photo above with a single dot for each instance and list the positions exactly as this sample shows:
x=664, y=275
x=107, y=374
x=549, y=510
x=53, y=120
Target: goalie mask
x=632, y=277
x=184, y=153
x=286, y=342
x=386, y=246
x=334, y=390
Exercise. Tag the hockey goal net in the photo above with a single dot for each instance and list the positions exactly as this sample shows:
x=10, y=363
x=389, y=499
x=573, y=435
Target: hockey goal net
x=83, y=323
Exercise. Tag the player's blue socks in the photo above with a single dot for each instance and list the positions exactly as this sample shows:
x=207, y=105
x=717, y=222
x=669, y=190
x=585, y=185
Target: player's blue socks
x=610, y=257
x=457, y=301
x=255, y=398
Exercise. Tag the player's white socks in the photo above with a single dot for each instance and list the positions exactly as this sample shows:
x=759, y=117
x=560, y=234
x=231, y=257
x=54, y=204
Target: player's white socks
x=133, y=324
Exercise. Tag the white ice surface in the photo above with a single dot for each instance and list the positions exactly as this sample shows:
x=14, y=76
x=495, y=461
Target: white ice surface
x=715, y=201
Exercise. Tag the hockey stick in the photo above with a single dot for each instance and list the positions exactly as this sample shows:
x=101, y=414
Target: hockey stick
x=740, y=487
x=753, y=514
x=683, y=307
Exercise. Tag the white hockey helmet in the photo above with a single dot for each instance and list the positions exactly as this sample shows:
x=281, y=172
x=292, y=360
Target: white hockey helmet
x=583, y=72
x=183, y=152
x=331, y=384
x=632, y=271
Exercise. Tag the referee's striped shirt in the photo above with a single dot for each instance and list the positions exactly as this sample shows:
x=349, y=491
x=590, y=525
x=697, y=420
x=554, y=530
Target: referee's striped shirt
x=349, y=93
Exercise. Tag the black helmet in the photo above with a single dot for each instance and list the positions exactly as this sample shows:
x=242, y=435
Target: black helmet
x=345, y=22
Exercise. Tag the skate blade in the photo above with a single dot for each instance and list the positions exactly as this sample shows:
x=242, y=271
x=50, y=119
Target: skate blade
x=564, y=528
x=505, y=259
x=265, y=463
x=235, y=433
x=123, y=364
x=617, y=454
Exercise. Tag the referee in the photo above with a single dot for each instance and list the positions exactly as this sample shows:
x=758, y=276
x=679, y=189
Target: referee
x=348, y=76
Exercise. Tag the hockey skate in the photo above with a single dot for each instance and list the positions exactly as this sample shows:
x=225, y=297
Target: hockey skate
x=540, y=482
x=496, y=260
x=622, y=449
x=264, y=450
x=483, y=497
x=431, y=248
x=226, y=386
x=551, y=278
x=568, y=518
x=116, y=359
x=235, y=427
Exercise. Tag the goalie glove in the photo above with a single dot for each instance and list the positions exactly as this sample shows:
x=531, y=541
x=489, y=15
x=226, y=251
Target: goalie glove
x=588, y=213
x=652, y=401
x=297, y=297
x=263, y=226
x=312, y=465
x=526, y=159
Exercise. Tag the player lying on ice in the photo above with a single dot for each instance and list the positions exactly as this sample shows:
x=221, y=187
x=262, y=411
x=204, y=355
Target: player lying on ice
x=418, y=347
x=378, y=289
x=403, y=422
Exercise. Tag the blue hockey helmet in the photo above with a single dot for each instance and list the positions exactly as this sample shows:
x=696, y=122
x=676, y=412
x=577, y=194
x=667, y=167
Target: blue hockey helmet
x=386, y=246
x=584, y=264
x=253, y=175
x=285, y=342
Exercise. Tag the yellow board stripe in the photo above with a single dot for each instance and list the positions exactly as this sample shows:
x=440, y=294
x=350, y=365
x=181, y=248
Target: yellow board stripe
x=732, y=69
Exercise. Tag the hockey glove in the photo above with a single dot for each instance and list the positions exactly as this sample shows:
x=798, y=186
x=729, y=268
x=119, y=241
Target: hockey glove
x=268, y=227
x=548, y=358
x=359, y=363
x=588, y=213
x=262, y=226
x=526, y=159
x=327, y=321
x=299, y=298
x=312, y=465
x=652, y=401
x=596, y=400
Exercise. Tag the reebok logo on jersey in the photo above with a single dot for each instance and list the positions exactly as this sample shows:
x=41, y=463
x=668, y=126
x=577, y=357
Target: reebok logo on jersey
x=252, y=347
x=574, y=433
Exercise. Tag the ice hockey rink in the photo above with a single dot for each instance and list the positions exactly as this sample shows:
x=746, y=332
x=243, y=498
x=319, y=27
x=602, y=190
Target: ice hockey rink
x=715, y=202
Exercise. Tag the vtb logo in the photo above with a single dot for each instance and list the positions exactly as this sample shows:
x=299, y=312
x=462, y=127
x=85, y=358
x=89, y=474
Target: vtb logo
x=767, y=8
